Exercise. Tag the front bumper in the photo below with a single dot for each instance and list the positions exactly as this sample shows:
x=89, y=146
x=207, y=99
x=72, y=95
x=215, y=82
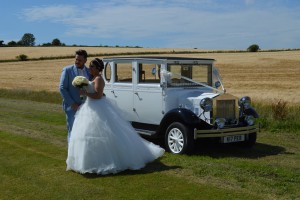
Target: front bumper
x=225, y=132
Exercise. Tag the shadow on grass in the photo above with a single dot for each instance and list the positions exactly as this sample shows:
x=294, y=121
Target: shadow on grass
x=231, y=150
x=155, y=166
x=216, y=150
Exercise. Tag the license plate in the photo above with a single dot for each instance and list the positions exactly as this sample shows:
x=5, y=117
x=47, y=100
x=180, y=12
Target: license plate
x=233, y=138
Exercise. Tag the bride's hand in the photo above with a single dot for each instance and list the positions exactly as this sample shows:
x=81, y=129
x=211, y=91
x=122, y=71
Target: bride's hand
x=82, y=92
x=75, y=106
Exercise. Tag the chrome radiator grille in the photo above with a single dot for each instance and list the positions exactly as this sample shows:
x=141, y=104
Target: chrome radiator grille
x=226, y=109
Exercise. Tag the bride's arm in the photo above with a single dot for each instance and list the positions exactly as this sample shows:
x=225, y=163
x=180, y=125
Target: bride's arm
x=99, y=86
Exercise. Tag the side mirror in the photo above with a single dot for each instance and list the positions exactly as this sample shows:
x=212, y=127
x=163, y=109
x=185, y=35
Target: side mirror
x=217, y=84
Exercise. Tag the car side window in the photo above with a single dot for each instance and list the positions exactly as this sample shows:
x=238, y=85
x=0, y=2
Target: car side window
x=107, y=72
x=148, y=73
x=123, y=72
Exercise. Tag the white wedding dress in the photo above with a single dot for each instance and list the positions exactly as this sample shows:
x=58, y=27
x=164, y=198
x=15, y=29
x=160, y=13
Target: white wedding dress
x=103, y=142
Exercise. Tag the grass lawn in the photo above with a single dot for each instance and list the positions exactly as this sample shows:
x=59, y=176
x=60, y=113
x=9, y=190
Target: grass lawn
x=33, y=153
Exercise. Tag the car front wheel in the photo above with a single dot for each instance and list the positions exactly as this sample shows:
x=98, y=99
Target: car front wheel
x=179, y=139
x=251, y=140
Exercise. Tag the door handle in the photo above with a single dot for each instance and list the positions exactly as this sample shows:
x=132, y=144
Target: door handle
x=137, y=94
x=114, y=93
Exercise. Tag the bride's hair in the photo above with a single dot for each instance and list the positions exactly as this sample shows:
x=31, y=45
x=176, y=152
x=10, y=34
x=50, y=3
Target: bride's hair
x=98, y=63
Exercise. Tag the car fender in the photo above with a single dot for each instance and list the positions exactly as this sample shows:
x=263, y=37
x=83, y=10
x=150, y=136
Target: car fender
x=182, y=115
x=251, y=111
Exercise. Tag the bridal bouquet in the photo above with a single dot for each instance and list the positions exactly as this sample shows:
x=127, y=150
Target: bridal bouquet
x=80, y=81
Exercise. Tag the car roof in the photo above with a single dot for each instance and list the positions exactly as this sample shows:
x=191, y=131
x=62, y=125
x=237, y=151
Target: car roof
x=156, y=58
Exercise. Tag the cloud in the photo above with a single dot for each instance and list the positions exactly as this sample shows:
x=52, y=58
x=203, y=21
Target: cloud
x=249, y=2
x=51, y=13
x=179, y=23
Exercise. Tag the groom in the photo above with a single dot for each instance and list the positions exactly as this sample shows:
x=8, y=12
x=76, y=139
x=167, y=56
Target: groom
x=69, y=93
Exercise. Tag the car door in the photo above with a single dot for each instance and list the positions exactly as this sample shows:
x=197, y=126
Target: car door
x=147, y=93
x=120, y=87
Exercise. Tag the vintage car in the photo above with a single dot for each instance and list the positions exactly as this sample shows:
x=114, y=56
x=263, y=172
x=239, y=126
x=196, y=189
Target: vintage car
x=179, y=100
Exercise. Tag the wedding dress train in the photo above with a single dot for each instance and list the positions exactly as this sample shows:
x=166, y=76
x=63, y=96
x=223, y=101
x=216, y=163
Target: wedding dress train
x=103, y=142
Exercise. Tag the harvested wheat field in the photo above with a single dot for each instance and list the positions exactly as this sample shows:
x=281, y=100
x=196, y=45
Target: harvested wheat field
x=261, y=75
x=10, y=53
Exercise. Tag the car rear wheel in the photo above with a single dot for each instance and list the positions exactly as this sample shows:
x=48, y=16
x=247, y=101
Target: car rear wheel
x=179, y=139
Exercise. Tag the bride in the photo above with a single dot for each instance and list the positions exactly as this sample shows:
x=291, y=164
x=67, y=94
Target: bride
x=102, y=142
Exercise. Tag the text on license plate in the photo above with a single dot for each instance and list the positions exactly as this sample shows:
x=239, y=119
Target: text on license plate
x=233, y=138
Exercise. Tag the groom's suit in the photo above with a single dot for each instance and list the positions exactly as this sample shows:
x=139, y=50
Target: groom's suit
x=69, y=93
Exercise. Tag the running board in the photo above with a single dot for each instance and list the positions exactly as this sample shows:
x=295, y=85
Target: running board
x=145, y=132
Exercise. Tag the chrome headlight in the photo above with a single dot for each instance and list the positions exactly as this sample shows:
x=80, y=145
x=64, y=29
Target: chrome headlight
x=245, y=102
x=250, y=120
x=220, y=122
x=206, y=104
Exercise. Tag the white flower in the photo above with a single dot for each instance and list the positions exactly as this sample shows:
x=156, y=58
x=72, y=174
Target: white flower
x=80, y=81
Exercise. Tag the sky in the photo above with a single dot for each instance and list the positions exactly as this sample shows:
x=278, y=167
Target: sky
x=202, y=24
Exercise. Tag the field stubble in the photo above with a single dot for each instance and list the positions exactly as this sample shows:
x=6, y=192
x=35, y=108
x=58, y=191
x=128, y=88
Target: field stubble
x=10, y=53
x=261, y=75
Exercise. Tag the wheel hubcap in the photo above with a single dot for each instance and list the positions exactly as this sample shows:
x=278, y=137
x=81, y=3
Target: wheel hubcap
x=175, y=140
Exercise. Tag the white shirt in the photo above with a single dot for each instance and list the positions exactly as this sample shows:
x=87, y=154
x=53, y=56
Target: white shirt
x=82, y=72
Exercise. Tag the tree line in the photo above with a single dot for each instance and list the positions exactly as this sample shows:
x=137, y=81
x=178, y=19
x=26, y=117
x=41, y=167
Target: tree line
x=28, y=40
